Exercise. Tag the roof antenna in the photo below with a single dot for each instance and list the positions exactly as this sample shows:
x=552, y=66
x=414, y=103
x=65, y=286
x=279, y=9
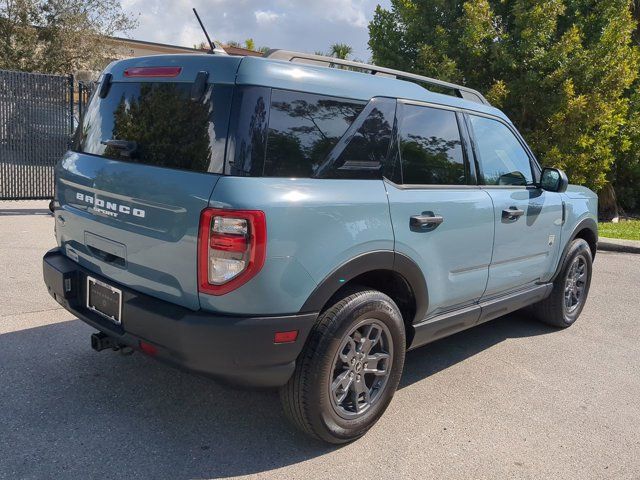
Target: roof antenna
x=212, y=46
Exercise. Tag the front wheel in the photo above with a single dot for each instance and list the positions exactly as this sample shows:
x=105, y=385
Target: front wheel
x=570, y=288
x=349, y=369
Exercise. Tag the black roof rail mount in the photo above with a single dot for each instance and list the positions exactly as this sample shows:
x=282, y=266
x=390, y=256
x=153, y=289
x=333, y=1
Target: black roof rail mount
x=321, y=60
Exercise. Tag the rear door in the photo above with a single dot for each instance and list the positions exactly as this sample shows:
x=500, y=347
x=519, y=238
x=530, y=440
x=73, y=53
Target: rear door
x=144, y=164
x=441, y=218
x=528, y=220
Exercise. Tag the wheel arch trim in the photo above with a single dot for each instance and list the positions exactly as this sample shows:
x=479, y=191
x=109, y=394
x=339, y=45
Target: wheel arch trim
x=369, y=262
x=586, y=223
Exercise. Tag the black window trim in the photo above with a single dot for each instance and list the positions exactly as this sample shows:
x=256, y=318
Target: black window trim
x=466, y=152
x=232, y=131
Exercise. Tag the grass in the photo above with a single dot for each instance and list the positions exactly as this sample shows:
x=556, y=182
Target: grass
x=627, y=230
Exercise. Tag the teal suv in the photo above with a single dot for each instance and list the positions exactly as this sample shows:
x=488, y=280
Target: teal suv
x=301, y=222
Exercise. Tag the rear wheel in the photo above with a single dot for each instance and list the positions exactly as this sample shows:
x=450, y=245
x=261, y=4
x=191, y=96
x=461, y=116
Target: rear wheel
x=570, y=288
x=349, y=369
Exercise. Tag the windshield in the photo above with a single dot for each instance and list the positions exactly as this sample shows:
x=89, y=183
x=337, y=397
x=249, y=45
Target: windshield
x=158, y=124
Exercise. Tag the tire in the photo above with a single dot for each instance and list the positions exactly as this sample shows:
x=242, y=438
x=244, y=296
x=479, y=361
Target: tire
x=556, y=309
x=335, y=348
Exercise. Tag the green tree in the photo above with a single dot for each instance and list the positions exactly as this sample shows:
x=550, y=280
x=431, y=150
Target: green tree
x=59, y=36
x=166, y=125
x=249, y=44
x=561, y=69
x=340, y=50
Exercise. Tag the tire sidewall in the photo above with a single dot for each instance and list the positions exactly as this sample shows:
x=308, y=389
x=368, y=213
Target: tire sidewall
x=578, y=248
x=373, y=305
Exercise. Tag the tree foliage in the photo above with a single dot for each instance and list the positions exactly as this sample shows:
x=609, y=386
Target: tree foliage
x=58, y=36
x=340, y=50
x=565, y=71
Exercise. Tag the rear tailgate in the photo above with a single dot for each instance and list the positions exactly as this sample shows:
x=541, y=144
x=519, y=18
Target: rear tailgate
x=144, y=165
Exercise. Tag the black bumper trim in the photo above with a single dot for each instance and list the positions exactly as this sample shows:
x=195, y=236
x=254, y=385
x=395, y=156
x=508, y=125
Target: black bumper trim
x=236, y=349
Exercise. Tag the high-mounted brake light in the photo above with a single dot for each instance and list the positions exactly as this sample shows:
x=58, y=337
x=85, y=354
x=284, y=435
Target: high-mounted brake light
x=152, y=72
x=232, y=247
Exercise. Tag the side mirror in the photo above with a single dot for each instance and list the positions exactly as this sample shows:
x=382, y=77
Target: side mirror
x=553, y=180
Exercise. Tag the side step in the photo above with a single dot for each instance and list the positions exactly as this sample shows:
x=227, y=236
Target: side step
x=449, y=323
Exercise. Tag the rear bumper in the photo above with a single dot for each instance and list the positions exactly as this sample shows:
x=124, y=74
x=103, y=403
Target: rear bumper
x=239, y=350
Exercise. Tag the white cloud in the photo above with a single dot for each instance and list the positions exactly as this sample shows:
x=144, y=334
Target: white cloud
x=310, y=25
x=352, y=12
x=264, y=17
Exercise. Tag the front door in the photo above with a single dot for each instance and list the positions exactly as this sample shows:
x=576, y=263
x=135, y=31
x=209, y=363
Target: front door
x=528, y=220
x=441, y=218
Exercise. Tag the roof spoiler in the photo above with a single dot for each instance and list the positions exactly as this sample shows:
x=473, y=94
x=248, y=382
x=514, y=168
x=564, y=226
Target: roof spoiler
x=321, y=60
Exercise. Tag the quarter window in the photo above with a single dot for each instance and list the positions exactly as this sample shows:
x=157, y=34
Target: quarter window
x=303, y=128
x=503, y=159
x=362, y=151
x=431, y=147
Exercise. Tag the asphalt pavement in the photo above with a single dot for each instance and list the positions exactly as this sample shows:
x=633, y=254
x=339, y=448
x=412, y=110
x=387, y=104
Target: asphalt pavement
x=509, y=399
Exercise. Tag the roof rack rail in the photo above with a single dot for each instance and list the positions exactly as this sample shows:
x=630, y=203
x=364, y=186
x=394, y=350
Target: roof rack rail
x=321, y=60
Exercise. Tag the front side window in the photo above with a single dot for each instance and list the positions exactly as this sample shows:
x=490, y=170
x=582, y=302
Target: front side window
x=158, y=124
x=303, y=129
x=430, y=147
x=503, y=159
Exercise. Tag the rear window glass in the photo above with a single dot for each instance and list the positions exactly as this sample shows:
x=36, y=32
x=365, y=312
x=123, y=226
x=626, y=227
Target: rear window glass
x=158, y=124
x=303, y=129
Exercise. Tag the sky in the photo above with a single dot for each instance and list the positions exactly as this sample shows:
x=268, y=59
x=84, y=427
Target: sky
x=301, y=25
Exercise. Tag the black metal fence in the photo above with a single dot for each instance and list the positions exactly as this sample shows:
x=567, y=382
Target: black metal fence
x=85, y=90
x=36, y=122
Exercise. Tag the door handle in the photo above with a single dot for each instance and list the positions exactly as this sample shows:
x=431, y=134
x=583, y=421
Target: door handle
x=425, y=221
x=512, y=213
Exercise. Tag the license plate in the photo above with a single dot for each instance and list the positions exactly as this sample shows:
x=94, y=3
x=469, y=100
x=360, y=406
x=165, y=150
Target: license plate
x=104, y=299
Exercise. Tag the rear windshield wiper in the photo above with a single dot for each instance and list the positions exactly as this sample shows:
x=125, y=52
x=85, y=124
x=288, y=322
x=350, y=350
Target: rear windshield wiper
x=126, y=147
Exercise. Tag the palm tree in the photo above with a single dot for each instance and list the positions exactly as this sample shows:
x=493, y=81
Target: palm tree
x=341, y=50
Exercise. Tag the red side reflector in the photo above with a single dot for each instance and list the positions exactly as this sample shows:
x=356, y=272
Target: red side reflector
x=148, y=348
x=285, y=337
x=152, y=72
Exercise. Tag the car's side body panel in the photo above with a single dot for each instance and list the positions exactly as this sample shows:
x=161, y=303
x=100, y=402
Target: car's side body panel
x=454, y=256
x=313, y=226
x=526, y=249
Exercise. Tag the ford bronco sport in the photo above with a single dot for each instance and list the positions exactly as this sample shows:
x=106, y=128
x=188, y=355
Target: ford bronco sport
x=275, y=222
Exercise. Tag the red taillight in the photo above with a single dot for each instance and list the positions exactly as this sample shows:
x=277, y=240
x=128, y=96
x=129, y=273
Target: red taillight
x=152, y=72
x=228, y=243
x=232, y=247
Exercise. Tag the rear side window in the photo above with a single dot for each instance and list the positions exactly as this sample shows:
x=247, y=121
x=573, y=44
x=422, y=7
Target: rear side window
x=362, y=151
x=303, y=129
x=431, y=147
x=158, y=124
x=503, y=159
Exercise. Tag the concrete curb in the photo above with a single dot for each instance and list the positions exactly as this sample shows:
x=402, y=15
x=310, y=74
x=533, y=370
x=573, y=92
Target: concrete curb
x=617, y=245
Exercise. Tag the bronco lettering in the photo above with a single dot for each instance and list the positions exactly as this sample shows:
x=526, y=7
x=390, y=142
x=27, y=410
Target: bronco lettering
x=108, y=207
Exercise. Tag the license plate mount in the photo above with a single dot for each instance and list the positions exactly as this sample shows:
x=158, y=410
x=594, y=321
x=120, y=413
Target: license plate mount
x=104, y=300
